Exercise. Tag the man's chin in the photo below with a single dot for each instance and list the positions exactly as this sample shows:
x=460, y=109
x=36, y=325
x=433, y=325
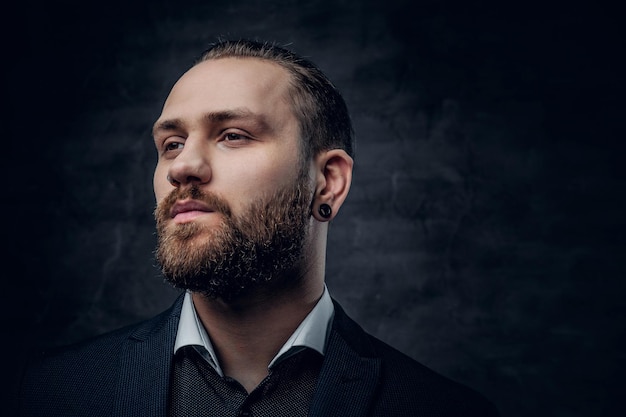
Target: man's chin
x=220, y=290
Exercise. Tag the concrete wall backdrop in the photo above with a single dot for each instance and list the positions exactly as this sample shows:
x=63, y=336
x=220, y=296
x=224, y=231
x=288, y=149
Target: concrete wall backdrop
x=484, y=233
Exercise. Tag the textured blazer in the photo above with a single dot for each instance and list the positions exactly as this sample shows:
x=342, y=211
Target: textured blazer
x=127, y=372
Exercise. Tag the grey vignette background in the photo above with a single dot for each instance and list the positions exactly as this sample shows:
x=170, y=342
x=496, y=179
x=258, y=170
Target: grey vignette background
x=484, y=232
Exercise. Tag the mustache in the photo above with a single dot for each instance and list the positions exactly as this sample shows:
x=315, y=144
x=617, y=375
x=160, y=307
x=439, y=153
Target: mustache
x=214, y=201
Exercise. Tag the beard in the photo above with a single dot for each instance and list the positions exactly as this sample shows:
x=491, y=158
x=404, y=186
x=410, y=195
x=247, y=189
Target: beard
x=260, y=250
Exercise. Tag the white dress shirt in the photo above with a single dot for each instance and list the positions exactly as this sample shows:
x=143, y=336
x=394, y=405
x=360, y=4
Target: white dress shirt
x=312, y=332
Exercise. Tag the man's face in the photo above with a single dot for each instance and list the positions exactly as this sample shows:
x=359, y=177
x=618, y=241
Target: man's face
x=238, y=213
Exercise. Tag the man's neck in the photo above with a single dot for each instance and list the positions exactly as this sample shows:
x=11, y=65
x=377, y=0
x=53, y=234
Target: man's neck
x=248, y=334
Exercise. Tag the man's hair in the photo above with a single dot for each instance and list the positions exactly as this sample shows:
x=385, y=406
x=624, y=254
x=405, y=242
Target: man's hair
x=318, y=106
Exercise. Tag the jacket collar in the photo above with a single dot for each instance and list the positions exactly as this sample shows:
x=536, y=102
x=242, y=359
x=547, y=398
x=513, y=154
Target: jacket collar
x=346, y=384
x=350, y=372
x=145, y=366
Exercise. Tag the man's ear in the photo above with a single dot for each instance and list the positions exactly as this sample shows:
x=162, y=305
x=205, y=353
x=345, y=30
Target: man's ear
x=333, y=179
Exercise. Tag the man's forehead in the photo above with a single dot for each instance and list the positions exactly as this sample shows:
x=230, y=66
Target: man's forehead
x=231, y=79
x=228, y=89
x=251, y=69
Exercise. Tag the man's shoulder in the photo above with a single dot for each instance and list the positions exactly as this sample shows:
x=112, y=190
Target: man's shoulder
x=407, y=384
x=101, y=346
x=85, y=374
x=95, y=355
x=408, y=387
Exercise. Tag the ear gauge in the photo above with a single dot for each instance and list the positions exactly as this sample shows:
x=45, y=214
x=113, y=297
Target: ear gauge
x=325, y=210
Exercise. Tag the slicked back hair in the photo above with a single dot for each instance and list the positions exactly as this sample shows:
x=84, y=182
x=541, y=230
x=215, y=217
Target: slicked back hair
x=317, y=105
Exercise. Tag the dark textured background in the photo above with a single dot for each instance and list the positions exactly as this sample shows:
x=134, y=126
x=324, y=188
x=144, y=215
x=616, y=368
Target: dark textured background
x=484, y=233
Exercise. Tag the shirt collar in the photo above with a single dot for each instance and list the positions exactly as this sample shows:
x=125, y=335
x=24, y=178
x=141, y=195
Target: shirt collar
x=312, y=332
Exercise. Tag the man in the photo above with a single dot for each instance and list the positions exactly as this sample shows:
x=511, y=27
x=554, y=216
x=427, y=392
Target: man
x=255, y=151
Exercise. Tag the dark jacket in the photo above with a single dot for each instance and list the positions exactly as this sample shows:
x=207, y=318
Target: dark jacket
x=126, y=373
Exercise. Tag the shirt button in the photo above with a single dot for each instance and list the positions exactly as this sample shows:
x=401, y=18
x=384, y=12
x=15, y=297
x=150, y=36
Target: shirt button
x=245, y=413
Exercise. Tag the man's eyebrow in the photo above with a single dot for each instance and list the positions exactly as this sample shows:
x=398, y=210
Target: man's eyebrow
x=167, y=125
x=215, y=117
x=238, y=114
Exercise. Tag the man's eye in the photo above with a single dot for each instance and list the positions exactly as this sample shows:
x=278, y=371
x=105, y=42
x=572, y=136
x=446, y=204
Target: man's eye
x=172, y=146
x=234, y=136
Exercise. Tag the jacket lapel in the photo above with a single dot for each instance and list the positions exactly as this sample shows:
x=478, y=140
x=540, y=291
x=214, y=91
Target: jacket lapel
x=145, y=366
x=350, y=372
x=346, y=386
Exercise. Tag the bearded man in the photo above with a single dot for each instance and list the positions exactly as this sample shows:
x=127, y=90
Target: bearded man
x=255, y=156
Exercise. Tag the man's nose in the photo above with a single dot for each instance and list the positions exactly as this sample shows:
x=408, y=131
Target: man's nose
x=191, y=166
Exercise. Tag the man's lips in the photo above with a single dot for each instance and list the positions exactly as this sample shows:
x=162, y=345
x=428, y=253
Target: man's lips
x=188, y=209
